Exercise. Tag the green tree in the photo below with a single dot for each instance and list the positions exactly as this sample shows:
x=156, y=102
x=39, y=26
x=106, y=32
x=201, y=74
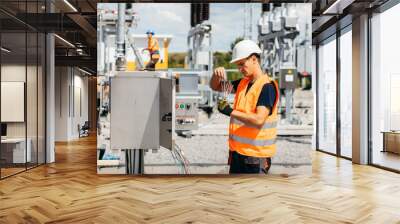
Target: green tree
x=235, y=42
x=176, y=60
x=222, y=59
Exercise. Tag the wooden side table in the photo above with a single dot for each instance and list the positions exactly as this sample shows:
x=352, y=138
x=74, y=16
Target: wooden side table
x=391, y=141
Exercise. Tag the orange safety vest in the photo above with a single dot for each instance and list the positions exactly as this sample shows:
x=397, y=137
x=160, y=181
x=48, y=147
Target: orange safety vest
x=248, y=139
x=152, y=45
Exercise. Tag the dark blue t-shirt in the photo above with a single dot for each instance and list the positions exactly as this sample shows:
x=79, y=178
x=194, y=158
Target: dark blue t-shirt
x=267, y=96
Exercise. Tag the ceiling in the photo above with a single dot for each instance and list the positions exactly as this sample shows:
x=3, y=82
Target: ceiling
x=76, y=22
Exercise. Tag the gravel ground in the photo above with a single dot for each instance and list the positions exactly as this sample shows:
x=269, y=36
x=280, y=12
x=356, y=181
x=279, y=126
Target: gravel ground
x=209, y=154
x=207, y=151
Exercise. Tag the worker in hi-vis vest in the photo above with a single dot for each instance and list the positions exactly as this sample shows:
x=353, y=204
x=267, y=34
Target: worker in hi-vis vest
x=154, y=50
x=253, y=117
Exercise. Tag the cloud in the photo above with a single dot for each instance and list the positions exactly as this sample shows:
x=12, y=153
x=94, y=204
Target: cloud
x=227, y=21
x=170, y=16
x=165, y=19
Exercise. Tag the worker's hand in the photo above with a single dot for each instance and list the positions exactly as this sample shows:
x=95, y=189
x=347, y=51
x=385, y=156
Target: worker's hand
x=224, y=107
x=219, y=73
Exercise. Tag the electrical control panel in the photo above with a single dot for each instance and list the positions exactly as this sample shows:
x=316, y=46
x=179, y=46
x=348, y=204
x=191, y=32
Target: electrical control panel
x=186, y=113
x=288, y=78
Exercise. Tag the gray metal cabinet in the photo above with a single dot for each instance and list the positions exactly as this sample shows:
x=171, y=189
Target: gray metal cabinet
x=141, y=111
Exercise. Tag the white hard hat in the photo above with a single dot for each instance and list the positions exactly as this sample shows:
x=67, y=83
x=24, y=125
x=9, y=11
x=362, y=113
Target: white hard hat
x=244, y=49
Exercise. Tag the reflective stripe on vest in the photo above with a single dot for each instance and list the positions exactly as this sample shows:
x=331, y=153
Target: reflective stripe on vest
x=253, y=141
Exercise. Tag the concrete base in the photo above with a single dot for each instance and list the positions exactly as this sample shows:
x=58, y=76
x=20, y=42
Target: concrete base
x=194, y=169
x=111, y=170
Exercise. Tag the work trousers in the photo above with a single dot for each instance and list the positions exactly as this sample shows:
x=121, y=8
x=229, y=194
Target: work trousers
x=248, y=164
x=151, y=65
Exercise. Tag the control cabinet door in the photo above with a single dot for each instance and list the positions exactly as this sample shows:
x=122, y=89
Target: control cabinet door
x=167, y=112
x=135, y=112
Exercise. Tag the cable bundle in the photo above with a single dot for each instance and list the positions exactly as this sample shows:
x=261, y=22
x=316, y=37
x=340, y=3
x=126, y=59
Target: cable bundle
x=226, y=88
x=178, y=156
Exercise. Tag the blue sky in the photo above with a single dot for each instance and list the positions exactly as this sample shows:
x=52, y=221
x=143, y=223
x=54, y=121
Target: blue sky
x=174, y=18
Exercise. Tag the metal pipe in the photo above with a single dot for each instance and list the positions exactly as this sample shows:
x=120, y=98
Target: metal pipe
x=121, y=61
x=121, y=29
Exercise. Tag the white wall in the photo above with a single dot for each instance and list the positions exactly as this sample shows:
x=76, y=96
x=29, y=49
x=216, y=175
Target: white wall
x=34, y=124
x=62, y=81
x=14, y=72
x=79, y=117
x=70, y=83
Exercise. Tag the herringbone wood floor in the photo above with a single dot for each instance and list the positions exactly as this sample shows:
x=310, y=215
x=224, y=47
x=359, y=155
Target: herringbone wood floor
x=70, y=191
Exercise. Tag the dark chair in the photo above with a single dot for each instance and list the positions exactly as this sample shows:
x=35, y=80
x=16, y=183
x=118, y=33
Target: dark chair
x=84, y=130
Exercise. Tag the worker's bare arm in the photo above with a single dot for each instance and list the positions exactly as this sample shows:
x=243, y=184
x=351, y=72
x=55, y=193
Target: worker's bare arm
x=217, y=77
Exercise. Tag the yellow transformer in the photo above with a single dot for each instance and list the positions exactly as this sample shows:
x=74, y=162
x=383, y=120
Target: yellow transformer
x=140, y=41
